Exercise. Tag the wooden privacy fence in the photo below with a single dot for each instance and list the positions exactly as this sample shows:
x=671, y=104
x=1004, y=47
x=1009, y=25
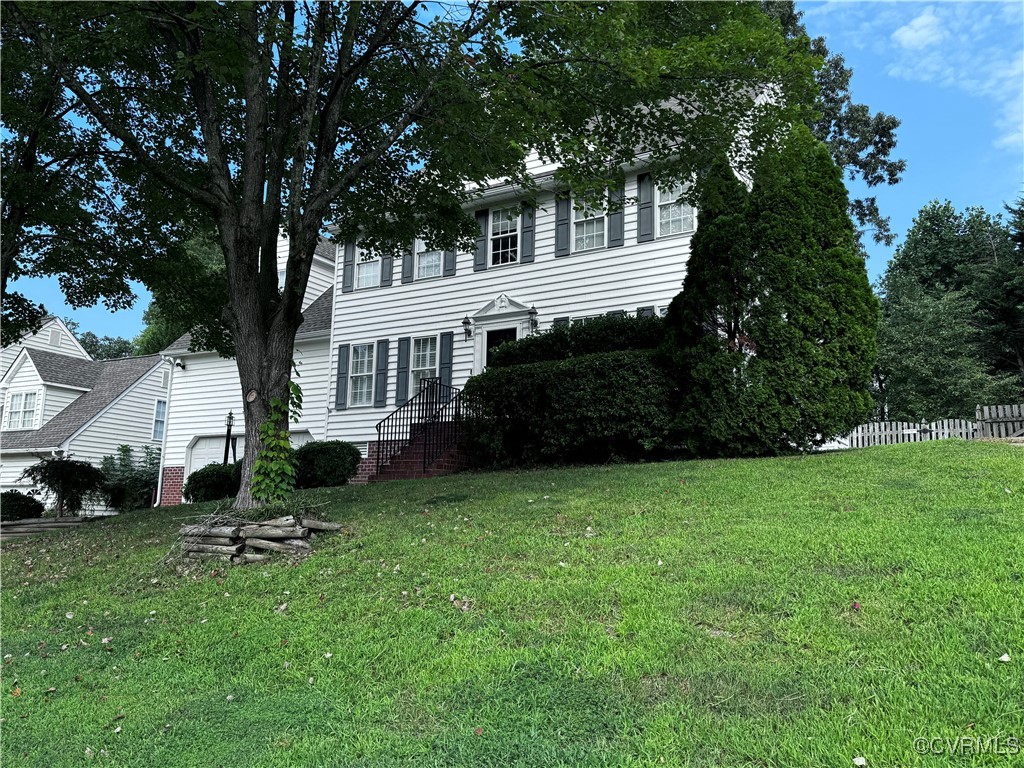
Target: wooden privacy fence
x=892, y=432
x=1000, y=420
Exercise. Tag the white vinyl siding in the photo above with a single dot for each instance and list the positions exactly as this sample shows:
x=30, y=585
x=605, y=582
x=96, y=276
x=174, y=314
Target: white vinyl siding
x=424, y=361
x=159, y=419
x=504, y=236
x=56, y=399
x=428, y=264
x=674, y=217
x=203, y=393
x=41, y=340
x=361, y=376
x=20, y=411
x=588, y=228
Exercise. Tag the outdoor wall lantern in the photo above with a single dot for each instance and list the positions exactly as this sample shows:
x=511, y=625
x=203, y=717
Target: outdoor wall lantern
x=229, y=421
x=533, y=318
x=467, y=327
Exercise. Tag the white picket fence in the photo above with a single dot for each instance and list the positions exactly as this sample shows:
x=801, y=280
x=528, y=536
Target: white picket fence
x=892, y=432
x=992, y=421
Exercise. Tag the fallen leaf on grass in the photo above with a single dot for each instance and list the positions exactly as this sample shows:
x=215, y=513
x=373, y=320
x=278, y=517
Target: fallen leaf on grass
x=478, y=731
x=1004, y=658
x=16, y=692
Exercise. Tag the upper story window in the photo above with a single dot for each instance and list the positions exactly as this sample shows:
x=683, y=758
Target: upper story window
x=361, y=377
x=159, y=419
x=21, y=410
x=674, y=217
x=428, y=264
x=504, y=236
x=367, y=273
x=588, y=228
x=424, y=360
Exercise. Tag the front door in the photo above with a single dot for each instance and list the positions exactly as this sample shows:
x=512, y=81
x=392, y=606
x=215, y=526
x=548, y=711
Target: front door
x=499, y=336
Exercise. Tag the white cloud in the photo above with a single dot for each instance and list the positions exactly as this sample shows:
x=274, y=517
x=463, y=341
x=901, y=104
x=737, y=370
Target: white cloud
x=925, y=30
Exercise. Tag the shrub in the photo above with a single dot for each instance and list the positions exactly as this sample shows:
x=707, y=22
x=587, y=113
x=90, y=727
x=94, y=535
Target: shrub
x=72, y=483
x=213, y=482
x=326, y=463
x=596, y=408
x=593, y=336
x=19, y=506
x=129, y=481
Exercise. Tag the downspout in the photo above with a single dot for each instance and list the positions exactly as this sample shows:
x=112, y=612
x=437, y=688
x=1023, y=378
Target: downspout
x=167, y=428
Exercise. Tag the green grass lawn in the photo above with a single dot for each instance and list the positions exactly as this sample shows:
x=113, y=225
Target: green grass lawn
x=788, y=612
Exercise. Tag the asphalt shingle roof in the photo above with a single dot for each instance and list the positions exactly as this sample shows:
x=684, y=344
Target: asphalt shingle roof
x=55, y=368
x=317, y=320
x=108, y=380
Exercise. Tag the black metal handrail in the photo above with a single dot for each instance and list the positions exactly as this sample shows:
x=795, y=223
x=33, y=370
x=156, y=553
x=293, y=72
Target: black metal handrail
x=424, y=414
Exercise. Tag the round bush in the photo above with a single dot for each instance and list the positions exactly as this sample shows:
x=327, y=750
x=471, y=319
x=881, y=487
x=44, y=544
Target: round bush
x=18, y=506
x=213, y=482
x=325, y=463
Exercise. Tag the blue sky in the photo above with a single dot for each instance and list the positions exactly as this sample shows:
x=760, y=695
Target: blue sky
x=952, y=72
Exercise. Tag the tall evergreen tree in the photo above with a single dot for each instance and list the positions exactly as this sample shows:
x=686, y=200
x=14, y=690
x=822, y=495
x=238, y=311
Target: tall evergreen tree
x=795, y=369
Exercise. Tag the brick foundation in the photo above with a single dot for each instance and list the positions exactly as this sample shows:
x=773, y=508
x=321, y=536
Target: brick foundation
x=170, y=486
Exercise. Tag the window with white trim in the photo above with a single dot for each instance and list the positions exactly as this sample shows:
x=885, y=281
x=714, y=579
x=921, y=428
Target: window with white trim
x=424, y=360
x=504, y=236
x=588, y=228
x=674, y=217
x=55, y=339
x=21, y=410
x=428, y=264
x=367, y=273
x=159, y=419
x=361, y=375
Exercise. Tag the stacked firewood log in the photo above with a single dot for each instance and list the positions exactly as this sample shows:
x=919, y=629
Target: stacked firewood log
x=252, y=542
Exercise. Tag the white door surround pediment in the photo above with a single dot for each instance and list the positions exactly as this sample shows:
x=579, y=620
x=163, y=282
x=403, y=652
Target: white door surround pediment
x=501, y=307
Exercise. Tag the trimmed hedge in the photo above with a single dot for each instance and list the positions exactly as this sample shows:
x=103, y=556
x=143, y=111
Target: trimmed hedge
x=325, y=463
x=213, y=482
x=590, y=337
x=596, y=408
x=19, y=506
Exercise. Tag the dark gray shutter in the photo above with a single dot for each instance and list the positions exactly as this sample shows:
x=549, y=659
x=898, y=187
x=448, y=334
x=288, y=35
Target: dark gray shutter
x=526, y=229
x=348, y=268
x=408, y=265
x=617, y=313
x=560, y=321
x=387, y=269
x=444, y=368
x=341, y=387
x=563, y=215
x=616, y=217
x=380, y=377
x=480, y=258
x=645, y=311
x=402, y=377
x=645, y=208
x=448, y=268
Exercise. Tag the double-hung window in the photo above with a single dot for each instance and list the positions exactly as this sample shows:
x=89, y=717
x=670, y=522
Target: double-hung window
x=588, y=228
x=367, y=272
x=21, y=411
x=424, y=360
x=504, y=236
x=428, y=264
x=674, y=217
x=159, y=419
x=361, y=377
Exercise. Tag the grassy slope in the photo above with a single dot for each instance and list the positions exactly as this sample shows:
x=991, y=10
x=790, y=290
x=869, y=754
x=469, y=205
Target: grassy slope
x=681, y=614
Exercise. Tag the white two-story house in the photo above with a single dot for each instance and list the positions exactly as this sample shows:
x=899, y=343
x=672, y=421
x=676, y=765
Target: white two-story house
x=437, y=314
x=58, y=401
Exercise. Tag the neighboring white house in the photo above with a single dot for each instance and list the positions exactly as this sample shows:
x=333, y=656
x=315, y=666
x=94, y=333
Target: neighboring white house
x=59, y=404
x=392, y=323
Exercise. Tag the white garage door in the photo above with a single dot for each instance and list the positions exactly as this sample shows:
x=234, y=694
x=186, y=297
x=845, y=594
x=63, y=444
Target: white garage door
x=210, y=450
